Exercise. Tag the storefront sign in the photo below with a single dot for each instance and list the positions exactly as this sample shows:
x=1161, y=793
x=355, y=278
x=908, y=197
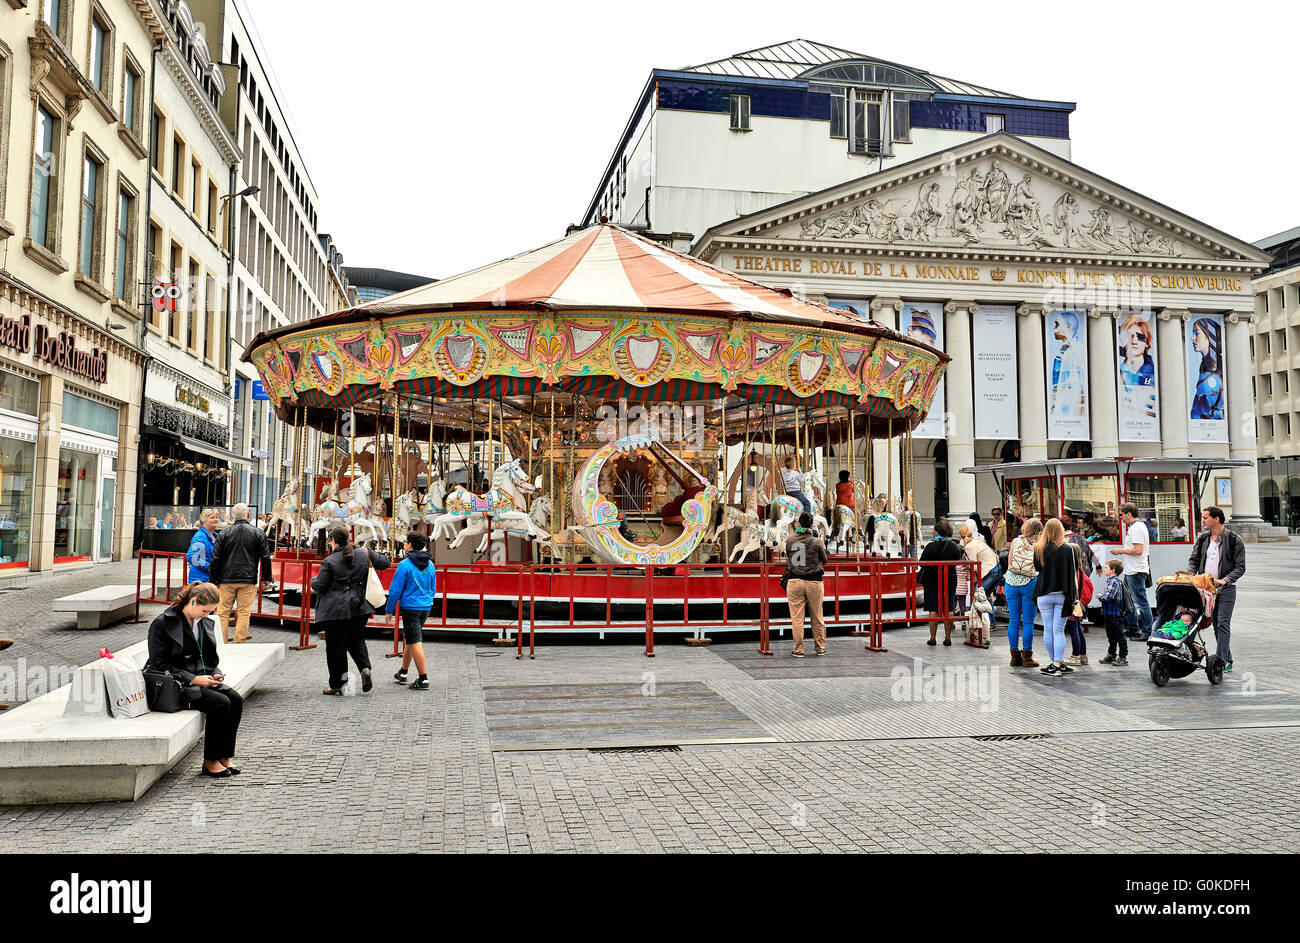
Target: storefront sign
x=16, y=334
x=923, y=321
x=1139, y=409
x=61, y=351
x=1067, y=376
x=1207, y=388
x=191, y=398
x=997, y=386
x=259, y=391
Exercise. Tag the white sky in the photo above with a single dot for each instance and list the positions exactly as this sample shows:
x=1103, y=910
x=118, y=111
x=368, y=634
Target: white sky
x=442, y=136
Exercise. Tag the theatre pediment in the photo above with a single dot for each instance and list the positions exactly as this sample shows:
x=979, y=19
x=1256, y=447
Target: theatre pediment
x=996, y=194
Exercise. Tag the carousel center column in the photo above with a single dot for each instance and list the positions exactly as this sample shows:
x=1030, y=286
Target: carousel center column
x=1101, y=381
x=885, y=465
x=1241, y=420
x=1173, y=381
x=960, y=420
x=1033, y=382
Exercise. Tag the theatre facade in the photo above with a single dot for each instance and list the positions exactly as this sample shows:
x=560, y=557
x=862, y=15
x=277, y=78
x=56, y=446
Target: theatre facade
x=1083, y=319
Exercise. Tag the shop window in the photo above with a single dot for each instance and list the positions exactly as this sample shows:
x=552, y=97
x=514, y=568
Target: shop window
x=74, y=514
x=17, y=483
x=89, y=415
x=1164, y=503
x=19, y=394
x=1093, y=500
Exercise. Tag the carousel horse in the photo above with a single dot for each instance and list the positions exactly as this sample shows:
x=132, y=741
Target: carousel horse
x=355, y=511
x=814, y=487
x=746, y=521
x=503, y=502
x=889, y=541
x=411, y=509
x=845, y=532
x=284, y=511
x=783, y=514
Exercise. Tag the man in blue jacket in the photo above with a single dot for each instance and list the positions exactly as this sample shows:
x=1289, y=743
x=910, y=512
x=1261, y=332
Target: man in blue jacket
x=202, y=544
x=413, y=589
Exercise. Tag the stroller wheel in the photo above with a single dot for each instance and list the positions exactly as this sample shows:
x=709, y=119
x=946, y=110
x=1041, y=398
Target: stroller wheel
x=1159, y=670
x=1214, y=669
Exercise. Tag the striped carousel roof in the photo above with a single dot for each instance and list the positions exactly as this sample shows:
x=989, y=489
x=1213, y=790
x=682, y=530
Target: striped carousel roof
x=605, y=267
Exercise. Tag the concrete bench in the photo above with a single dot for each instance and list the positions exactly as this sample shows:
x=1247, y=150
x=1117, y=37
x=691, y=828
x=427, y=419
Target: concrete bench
x=66, y=746
x=96, y=608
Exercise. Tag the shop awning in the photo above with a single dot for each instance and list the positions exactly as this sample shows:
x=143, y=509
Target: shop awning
x=199, y=446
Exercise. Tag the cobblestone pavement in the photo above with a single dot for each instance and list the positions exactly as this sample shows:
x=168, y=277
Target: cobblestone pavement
x=595, y=748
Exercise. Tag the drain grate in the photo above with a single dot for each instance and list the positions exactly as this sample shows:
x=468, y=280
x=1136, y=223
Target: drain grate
x=667, y=748
x=992, y=737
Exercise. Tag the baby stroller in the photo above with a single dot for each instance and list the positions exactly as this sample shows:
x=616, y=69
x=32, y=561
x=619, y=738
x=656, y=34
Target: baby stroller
x=1178, y=652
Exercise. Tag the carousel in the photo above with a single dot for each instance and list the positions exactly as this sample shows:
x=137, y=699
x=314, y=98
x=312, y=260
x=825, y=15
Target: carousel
x=565, y=422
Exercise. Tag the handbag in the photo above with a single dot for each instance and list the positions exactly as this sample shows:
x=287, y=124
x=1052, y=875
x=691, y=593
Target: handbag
x=1077, y=611
x=163, y=691
x=1147, y=574
x=375, y=593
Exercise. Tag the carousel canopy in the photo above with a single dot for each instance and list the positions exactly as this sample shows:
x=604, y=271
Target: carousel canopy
x=603, y=313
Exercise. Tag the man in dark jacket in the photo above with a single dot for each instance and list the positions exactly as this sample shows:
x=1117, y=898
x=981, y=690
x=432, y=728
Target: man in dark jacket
x=1222, y=554
x=805, y=560
x=239, y=553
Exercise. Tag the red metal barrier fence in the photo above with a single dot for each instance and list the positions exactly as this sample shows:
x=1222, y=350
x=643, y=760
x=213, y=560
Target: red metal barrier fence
x=504, y=597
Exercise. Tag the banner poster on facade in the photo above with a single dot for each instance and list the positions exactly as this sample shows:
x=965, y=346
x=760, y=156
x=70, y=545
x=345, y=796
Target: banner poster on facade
x=923, y=321
x=1067, y=375
x=1139, y=409
x=997, y=387
x=1207, y=390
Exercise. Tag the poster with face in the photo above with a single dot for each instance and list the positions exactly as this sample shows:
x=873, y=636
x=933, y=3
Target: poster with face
x=1067, y=375
x=923, y=321
x=997, y=388
x=1207, y=389
x=1139, y=409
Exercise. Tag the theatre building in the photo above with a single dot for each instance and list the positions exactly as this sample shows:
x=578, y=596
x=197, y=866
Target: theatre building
x=1084, y=320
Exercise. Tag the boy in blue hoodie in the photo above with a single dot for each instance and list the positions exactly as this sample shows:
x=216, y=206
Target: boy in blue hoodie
x=414, y=587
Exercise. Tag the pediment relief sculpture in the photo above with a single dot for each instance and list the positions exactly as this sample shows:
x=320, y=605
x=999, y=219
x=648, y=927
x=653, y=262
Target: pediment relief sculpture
x=986, y=204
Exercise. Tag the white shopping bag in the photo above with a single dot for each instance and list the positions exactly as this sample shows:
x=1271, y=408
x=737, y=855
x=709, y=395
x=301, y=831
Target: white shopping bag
x=125, y=683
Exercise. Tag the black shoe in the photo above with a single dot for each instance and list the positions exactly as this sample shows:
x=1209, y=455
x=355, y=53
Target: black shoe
x=1120, y=662
x=224, y=774
x=947, y=641
x=400, y=677
x=1050, y=669
x=367, y=682
x=931, y=642
x=233, y=770
x=821, y=652
x=419, y=684
x=1064, y=669
x=796, y=654
x=1106, y=660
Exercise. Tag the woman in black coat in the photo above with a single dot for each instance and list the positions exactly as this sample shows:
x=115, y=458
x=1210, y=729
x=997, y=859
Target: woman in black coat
x=339, y=593
x=183, y=640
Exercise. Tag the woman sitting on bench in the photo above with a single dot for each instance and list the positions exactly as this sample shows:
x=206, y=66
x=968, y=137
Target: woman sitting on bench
x=182, y=640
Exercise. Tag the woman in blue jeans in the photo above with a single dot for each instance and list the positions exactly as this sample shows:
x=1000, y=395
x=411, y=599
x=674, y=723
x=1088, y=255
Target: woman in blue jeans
x=1022, y=578
x=1055, y=592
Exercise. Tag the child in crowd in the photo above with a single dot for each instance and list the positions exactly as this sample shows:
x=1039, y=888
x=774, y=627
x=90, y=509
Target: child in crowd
x=1180, y=625
x=1114, y=612
x=414, y=588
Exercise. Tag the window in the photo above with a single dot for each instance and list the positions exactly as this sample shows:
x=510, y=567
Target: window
x=739, y=112
x=213, y=203
x=1094, y=500
x=52, y=13
x=1268, y=385
x=1288, y=425
x=902, y=115
x=98, y=39
x=178, y=166
x=191, y=306
x=195, y=189
x=1286, y=383
x=125, y=211
x=994, y=123
x=1252, y=348
x=89, y=215
x=839, y=113
x=1163, y=502
x=209, y=303
x=159, y=135
x=866, y=126
x=1268, y=344
x=44, y=175
x=1283, y=332
x=129, y=80
x=87, y=414
x=18, y=395
x=176, y=273
x=1031, y=497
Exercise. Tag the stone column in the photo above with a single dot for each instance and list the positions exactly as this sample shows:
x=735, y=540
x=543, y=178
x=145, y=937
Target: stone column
x=1172, y=357
x=1104, y=408
x=45, y=493
x=960, y=420
x=1241, y=420
x=1032, y=370
x=885, y=462
x=128, y=464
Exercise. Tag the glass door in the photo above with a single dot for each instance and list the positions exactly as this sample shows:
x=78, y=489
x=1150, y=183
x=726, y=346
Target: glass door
x=76, y=508
x=107, y=503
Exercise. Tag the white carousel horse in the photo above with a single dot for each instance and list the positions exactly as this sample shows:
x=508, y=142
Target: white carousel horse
x=355, y=511
x=888, y=541
x=503, y=502
x=746, y=521
x=782, y=516
x=285, y=511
